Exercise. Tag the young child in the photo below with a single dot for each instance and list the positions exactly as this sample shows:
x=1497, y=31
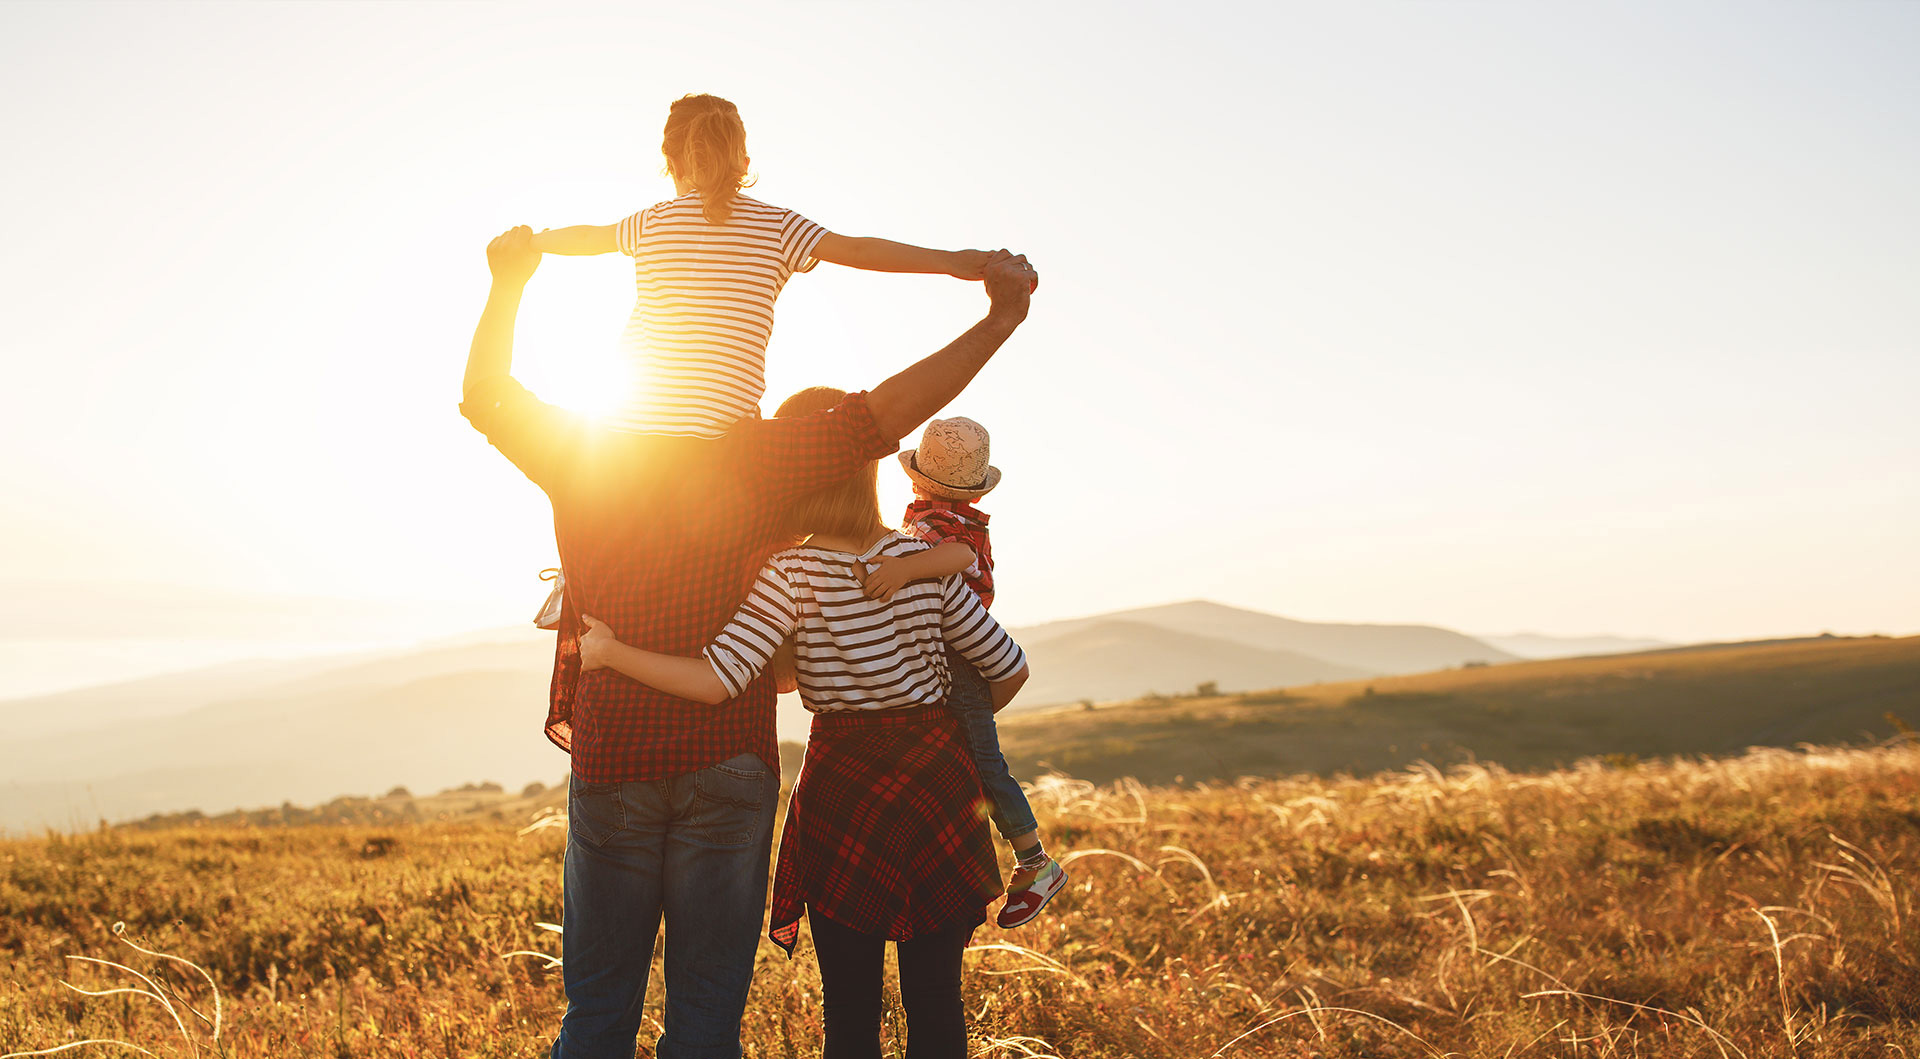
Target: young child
x=949, y=471
x=708, y=266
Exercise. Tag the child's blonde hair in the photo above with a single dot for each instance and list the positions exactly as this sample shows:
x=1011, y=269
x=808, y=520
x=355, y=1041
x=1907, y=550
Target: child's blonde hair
x=849, y=508
x=706, y=145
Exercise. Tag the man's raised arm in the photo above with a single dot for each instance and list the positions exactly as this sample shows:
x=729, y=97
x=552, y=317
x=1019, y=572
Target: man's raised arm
x=540, y=439
x=913, y=396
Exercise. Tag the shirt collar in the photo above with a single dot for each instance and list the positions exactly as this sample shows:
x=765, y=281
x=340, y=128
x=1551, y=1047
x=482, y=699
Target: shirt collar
x=922, y=506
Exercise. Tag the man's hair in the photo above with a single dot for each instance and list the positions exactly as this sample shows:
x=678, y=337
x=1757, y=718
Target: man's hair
x=706, y=145
x=849, y=508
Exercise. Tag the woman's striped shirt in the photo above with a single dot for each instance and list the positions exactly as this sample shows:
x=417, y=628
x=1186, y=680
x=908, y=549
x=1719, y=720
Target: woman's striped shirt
x=703, y=310
x=854, y=653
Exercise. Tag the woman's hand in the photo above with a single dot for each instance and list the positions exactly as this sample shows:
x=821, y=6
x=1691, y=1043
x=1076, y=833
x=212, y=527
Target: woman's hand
x=594, y=643
x=786, y=675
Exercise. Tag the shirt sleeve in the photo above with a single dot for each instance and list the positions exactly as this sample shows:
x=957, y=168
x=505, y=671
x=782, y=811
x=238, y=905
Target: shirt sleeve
x=783, y=459
x=769, y=615
x=626, y=235
x=798, y=237
x=970, y=630
x=937, y=530
x=541, y=439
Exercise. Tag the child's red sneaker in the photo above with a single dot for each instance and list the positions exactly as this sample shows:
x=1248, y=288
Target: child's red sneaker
x=1023, y=904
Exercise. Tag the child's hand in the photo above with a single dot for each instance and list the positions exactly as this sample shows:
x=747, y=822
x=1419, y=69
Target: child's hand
x=970, y=264
x=888, y=576
x=594, y=643
x=511, y=256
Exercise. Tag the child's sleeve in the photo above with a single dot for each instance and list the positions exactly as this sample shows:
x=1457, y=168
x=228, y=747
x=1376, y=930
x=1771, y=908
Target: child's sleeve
x=768, y=616
x=626, y=234
x=798, y=237
x=970, y=630
x=938, y=531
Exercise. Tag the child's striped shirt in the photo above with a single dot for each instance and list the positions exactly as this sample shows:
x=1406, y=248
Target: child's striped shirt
x=854, y=653
x=703, y=310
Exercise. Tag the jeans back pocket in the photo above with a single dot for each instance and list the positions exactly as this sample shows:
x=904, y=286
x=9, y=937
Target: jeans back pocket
x=595, y=811
x=731, y=799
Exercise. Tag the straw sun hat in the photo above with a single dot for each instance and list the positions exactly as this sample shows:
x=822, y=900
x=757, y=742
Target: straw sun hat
x=951, y=461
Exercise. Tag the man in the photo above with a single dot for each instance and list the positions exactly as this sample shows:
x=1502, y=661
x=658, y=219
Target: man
x=671, y=803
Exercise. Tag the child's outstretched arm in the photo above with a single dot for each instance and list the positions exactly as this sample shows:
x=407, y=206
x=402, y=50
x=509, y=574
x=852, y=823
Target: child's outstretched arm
x=581, y=240
x=686, y=678
x=891, y=574
x=885, y=255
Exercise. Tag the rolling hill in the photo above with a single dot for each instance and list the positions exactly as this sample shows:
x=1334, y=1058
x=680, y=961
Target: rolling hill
x=436, y=717
x=1535, y=646
x=1701, y=700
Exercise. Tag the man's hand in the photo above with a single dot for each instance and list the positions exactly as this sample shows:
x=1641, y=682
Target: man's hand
x=511, y=256
x=596, y=640
x=1011, y=282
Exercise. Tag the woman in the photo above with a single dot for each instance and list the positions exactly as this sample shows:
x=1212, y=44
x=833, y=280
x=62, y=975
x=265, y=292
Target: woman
x=886, y=835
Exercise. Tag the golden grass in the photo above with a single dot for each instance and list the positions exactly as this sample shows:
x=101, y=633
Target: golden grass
x=1758, y=906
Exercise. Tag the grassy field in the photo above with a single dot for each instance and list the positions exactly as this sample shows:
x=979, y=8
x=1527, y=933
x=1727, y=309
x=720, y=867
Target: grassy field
x=1757, y=906
x=1530, y=715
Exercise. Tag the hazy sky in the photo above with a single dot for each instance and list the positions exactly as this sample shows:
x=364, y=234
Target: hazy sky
x=1497, y=316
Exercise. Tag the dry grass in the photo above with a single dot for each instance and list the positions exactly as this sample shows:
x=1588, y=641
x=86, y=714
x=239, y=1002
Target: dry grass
x=1758, y=906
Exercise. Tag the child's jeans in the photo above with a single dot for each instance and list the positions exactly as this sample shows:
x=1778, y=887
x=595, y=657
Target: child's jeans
x=972, y=702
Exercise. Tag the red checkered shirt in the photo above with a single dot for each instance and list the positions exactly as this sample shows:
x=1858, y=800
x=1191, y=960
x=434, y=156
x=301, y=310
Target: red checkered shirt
x=940, y=521
x=660, y=538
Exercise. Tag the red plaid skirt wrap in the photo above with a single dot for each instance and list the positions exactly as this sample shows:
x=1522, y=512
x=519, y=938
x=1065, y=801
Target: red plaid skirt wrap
x=886, y=832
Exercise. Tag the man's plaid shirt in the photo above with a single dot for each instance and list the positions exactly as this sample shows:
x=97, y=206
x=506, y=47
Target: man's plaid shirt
x=660, y=538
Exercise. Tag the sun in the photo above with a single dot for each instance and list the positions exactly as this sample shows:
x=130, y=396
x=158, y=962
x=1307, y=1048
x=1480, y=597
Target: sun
x=569, y=353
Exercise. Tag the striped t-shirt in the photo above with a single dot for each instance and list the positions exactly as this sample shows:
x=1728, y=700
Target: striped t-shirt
x=854, y=653
x=703, y=310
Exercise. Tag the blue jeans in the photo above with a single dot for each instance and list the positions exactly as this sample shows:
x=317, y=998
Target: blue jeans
x=970, y=699
x=694, y=849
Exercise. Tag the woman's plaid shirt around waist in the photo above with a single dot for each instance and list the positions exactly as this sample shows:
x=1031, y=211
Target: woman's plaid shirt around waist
x=661, y=538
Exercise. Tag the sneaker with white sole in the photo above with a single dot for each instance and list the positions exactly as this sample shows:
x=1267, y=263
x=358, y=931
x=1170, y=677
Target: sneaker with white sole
x=1023, y=905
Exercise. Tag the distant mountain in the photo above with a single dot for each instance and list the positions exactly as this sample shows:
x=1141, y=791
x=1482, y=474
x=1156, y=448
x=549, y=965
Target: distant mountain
x=1125, y=659
x=1369, y=648
x=427, y=719
x=1535, y=646
x=157, y=696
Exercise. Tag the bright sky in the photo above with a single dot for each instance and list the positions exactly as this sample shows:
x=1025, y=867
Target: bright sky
x=1499, y=316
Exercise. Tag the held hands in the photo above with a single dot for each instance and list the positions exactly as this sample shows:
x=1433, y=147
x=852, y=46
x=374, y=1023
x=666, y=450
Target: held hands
x=1011, y=282
x=595, y=642
x=969, y=264
x=511, y=256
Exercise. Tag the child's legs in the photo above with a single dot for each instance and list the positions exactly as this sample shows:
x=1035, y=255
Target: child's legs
x=972, y=701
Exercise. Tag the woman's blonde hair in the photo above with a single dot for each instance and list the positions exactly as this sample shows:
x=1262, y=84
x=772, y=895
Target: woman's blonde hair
x=849, y=508
x=706, y=146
